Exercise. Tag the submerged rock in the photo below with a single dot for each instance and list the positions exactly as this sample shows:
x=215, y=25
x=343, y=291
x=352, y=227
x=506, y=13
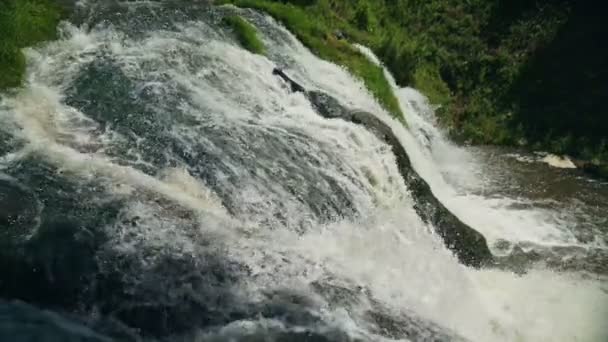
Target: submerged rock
x=20, y=322
x=49, y=235
x=596, y=170
x=469, y=245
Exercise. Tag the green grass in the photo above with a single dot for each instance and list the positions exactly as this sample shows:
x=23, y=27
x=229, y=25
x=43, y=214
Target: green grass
x=426, y=78
x=314, y=26
x=23, y=23
x=246, y=34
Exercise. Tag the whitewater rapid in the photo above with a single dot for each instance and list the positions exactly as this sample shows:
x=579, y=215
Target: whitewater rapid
x=207, y=150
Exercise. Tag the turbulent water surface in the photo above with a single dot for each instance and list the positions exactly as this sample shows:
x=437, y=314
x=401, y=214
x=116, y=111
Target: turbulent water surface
x=157, y=182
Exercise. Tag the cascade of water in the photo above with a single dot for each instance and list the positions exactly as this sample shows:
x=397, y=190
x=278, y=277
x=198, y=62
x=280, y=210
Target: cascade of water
x=229, y=209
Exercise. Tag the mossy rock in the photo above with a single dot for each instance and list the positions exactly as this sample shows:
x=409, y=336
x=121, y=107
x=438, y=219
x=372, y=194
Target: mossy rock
x=246, y=34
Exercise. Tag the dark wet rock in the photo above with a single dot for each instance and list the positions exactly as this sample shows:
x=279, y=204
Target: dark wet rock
x=20, y=322
x=175, y=296
x=51, y=268
x=50, y=259
x=596, y=170
x=469, y=245
x=295, y=87
x=43, y=257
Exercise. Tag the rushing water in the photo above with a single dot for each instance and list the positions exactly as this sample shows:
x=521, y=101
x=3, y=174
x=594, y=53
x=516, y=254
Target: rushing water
x=171, y=188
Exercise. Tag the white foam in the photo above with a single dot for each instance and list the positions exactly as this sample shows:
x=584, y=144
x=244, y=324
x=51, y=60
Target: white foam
x=562, y=162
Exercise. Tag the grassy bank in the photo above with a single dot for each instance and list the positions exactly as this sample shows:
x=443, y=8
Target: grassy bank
x=314, y=27
x=246, y=34
x=23, y=23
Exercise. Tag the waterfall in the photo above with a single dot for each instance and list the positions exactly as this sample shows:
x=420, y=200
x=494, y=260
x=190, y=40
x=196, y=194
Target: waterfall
x=183, y=193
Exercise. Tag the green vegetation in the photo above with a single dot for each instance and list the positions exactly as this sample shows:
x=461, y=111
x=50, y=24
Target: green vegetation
x=246, y=34
x=23, y=23
x=511, y=72
x=314, y=27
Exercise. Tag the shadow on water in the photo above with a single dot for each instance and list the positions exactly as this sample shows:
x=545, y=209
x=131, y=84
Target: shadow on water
x=20, y=322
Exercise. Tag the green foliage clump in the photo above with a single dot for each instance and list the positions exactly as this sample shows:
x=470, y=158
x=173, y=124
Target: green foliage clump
x=23, y=23
x=246, y=34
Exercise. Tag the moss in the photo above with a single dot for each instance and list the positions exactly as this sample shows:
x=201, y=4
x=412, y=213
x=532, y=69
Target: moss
x=12, y=66
x=246, y=34
x=314, y=27
x=23, y=23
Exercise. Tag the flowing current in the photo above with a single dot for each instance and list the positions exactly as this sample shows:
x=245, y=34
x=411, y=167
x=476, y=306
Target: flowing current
x=185, y=194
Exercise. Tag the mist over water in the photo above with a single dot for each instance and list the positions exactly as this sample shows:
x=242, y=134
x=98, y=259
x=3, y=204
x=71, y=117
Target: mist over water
x=227, y=208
